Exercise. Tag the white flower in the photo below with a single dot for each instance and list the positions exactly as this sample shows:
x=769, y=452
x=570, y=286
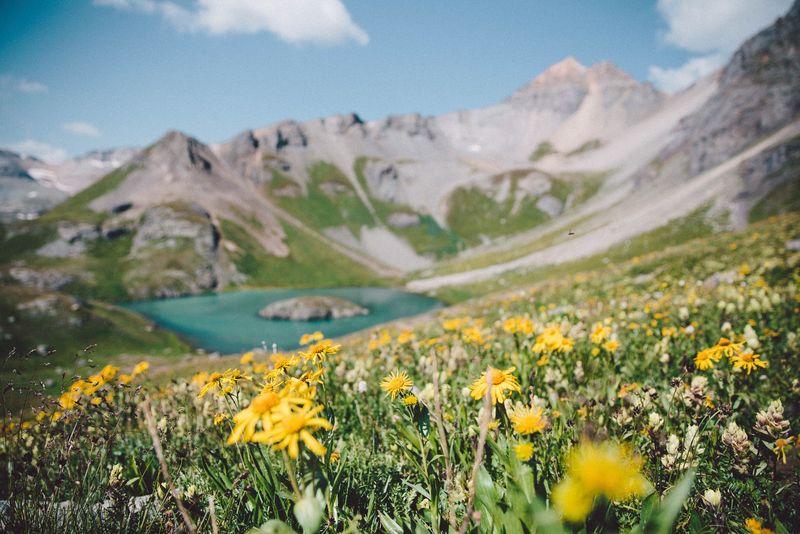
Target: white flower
x=713, y=497
x=361, y=387
x=751, y=337
x=654, y=420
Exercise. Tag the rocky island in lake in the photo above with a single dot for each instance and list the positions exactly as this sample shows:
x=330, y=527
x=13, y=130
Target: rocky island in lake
x=312, y=308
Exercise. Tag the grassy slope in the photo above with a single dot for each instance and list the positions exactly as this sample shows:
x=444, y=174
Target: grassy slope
x=77, y=340
x=676, y=232
x=474, y=214
x=76, y=208
x=320, y=209
x=311, y=263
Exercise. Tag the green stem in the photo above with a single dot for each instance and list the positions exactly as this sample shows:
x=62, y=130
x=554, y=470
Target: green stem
x=292, y=476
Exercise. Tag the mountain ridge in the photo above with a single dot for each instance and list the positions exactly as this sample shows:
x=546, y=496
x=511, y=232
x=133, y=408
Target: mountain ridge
x=581, y=146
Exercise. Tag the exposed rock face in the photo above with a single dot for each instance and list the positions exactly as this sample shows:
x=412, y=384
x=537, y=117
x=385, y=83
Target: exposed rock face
x=312, y=308
x=759, y=92
x=175, y=252
x=71, y=241
x=44, y=279
x=550, y=205
x=382, y=179
x=761, y=174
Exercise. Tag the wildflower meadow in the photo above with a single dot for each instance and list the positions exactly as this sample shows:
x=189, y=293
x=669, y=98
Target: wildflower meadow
x=653, y=395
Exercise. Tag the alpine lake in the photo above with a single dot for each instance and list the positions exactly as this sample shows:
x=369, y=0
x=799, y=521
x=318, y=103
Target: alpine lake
x=228, y=322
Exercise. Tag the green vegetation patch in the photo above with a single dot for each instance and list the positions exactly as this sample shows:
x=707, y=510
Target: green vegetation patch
x=545, y=148
x=75, y=336
x=311, y=262
x=330, y=200
x=693, y=226
x=474, y=214
x=76, y=208
x=591, y=144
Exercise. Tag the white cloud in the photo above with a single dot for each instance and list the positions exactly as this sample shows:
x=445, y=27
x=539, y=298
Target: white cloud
x=671, y=80
x=81, y=128
x=9, y=81
x=37, y=149
x=294, y=21
x=713, y=28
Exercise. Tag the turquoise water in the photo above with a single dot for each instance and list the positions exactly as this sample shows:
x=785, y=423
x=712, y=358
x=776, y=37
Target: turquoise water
x=229, y=322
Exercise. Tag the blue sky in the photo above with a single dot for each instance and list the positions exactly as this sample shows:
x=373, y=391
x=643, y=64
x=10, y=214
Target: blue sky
x=91, y=74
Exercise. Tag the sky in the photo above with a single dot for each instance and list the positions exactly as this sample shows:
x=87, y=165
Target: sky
x=92, y=74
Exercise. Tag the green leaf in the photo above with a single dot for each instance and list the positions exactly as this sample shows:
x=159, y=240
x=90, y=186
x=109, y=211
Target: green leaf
x=649, y=506
x=664, y=518
x=419, y=489
x=424, y=421
x=391, y=526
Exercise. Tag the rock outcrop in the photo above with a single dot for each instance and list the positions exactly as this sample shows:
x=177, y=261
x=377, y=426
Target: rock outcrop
x=312, y=308
x=175, y=252
x=759, y=92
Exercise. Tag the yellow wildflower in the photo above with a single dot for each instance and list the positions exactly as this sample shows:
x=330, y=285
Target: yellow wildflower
x=220, y=418
x=68, y=400
x=524, y=451
x=502, y=383
x=780, y=446
x=292, y=424
x=140, y=368
x=396, y=383
x=305, y=339
x=320, y=350
x=754, y=526
x=200, y=378
x=410, y=400
x=611, y=345
x=108, y=372
x=725, y=347
x=593, y=469
x=405, y=336
x=600, y=333
x=246, y=358
x=527, y=419
x=572, y=500
x=703, y=360
x=748, y=361
x=260, y=410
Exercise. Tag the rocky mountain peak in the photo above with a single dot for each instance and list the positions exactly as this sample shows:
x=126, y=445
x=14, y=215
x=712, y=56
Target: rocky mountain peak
x=568, y=68
x=606, y=72
x=182, y=149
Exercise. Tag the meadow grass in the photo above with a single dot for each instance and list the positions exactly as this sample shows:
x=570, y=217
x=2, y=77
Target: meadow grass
x=653, y=394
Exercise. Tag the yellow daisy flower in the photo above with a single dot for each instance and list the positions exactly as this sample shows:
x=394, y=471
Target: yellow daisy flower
x=293, y=424
x=503, y=383
x=527, y=420
x=396, y=383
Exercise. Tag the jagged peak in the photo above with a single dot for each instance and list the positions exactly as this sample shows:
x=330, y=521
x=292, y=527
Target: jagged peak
x=182, y=148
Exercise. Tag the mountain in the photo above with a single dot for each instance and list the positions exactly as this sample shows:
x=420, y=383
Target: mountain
x=21, y=196
x=587, y=153
x=29, y=186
